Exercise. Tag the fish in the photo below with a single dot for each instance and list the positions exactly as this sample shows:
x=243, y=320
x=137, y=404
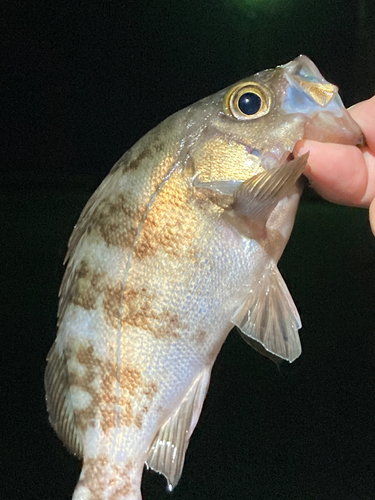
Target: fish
x=179, y=244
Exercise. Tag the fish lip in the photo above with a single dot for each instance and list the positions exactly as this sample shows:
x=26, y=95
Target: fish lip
x=328, y=127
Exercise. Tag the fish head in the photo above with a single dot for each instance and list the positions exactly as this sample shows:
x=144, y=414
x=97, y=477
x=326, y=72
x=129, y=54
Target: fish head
x=258, y=120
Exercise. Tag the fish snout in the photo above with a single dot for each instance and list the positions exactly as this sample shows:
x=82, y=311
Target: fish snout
x=327, y=118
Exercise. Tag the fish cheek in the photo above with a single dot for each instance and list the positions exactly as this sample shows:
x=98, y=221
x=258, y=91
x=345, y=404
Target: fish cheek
x=220, y=159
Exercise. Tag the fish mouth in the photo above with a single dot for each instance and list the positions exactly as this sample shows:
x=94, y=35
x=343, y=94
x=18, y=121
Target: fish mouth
x=328, y=127
x=319, y=101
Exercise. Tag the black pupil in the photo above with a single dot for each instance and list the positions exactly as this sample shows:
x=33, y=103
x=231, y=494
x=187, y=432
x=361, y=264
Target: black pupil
x=249, y=103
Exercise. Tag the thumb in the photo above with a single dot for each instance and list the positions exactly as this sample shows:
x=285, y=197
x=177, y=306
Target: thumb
x=372, y=216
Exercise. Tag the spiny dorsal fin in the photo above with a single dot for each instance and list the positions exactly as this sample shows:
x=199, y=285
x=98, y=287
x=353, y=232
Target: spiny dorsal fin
x=167, y=453
x=59, y=404
x=269, y=316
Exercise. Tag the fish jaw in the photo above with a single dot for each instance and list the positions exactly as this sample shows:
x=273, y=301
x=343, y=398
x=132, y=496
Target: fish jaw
x=328, y=127
x=309, y=93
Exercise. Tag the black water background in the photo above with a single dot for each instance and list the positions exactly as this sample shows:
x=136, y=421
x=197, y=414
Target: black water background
x=81, y=83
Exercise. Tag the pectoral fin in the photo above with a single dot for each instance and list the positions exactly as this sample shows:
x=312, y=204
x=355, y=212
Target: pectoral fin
x=167, y=453
x=256, y=198
x=269, y=316
x=222, y=187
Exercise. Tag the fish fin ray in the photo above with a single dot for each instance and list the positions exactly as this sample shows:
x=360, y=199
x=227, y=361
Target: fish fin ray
x=222, y=187
x=269, y=316
x=258, y=347
x=167, y=453
x=256, y=198
x=59, y=403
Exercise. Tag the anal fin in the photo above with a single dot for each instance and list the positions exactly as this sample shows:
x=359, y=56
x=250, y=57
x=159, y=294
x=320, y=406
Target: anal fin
x=167, y=453
x=59, y=404
x=269, y=316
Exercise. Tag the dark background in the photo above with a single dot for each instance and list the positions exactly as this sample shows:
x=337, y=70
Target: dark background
x=81, y=82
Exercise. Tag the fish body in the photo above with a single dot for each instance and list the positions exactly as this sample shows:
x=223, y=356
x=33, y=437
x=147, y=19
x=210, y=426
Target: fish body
x=179, y=243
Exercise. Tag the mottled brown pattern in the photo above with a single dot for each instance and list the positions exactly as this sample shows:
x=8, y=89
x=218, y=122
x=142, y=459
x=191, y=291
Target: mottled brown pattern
x=201, y=336
x=130, y=379
x=83, y=417
x=83, y=295
x=147, y=152
x=153, y=148
x=112, y=300
x=103, y=395
x=116, y=220
x=170, y=224
x=170, y=326
x=83, y=270
x=149, y=390
x=139, y=312
x=138, y=421
x=85, y=356
x=137, y=308
x=140, y=416
x=102, y=477
x=86, y=287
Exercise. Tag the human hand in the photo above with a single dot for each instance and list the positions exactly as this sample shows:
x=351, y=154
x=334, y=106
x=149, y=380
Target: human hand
x=345, y=174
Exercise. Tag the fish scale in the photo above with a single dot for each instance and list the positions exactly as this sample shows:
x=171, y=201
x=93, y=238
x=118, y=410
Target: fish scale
x=179, y=243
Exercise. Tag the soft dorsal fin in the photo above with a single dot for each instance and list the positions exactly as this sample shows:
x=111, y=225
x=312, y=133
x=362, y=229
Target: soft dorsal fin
x=269, y=315
x=59, y=403
x=167, y=453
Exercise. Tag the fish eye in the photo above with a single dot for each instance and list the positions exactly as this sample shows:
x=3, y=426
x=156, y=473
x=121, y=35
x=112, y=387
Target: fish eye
x=248, y=101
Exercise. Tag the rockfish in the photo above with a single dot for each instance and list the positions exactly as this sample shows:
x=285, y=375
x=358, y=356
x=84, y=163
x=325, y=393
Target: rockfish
x=178, y=244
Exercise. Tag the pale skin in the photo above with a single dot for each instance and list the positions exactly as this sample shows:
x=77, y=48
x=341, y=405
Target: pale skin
x=345, y=174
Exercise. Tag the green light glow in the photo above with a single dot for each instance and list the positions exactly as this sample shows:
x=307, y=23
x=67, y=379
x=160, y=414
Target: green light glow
x=257, y=5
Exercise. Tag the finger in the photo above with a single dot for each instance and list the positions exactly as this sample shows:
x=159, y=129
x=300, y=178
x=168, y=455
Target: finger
x=342, y=174
x=364, y=114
